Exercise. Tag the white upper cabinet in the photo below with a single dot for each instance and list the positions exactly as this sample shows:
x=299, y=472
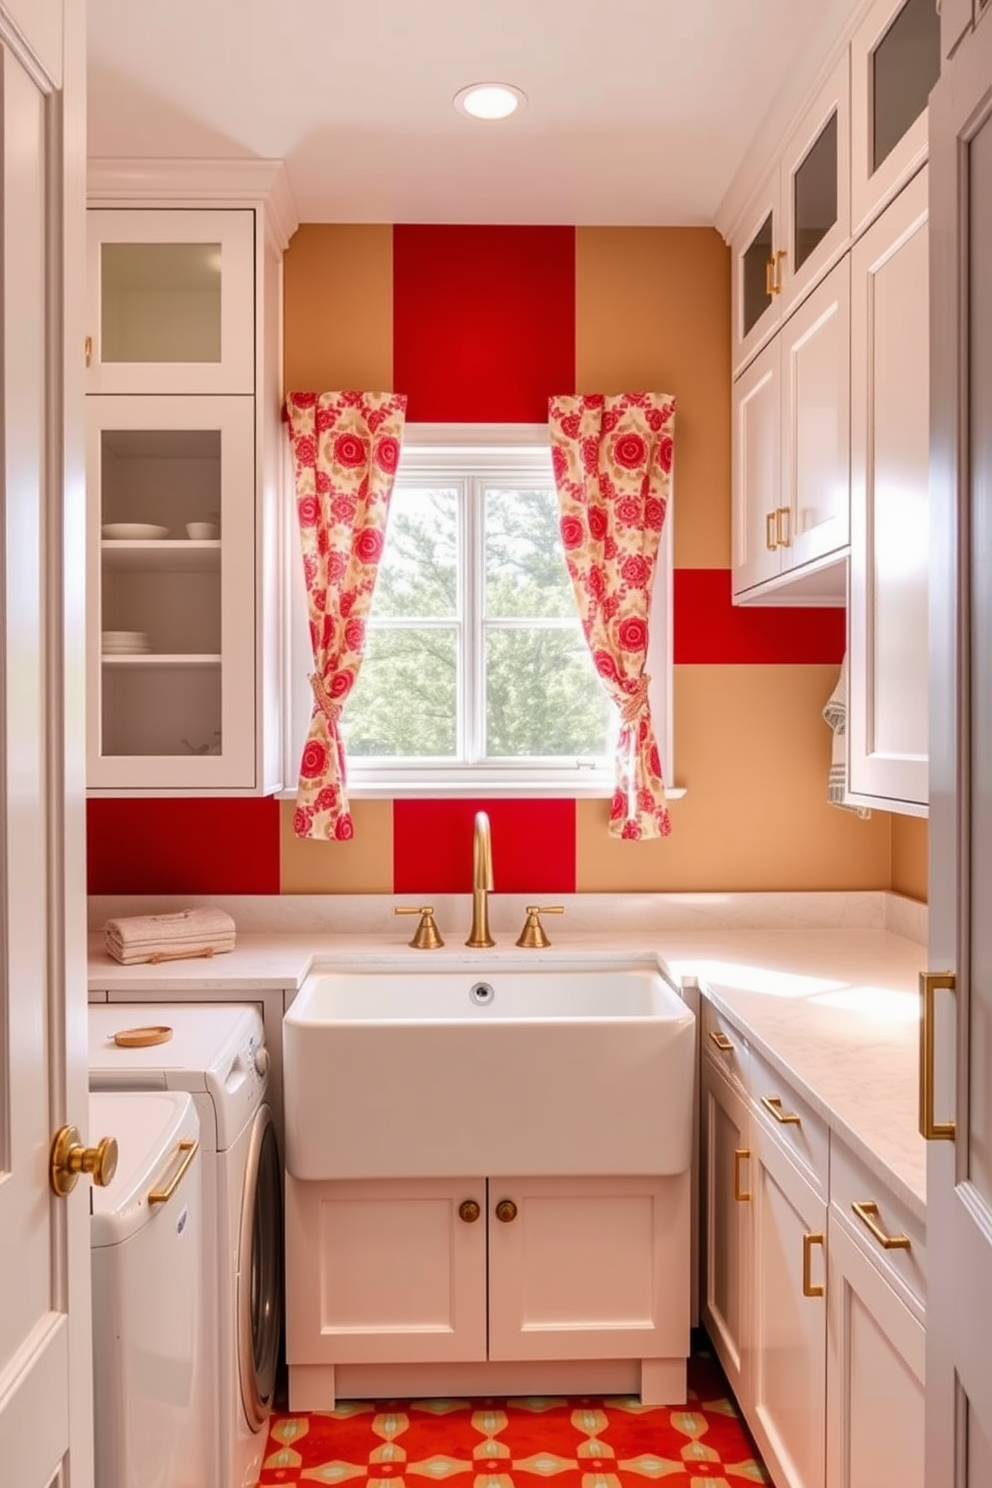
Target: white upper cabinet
x=895, y=61
x=791, y=453
x=799, y=221
x=887, y=722
x=171, y=301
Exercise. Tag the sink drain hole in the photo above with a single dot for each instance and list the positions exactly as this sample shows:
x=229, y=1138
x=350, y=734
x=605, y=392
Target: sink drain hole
x=481, y=994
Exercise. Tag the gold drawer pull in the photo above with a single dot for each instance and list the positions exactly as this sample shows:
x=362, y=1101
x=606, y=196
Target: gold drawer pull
x=770, y=267
x=740, y=1153
x=188, y=1148
x=809, y=1290
x=783, y=539
x=770, y=526
x=867, y=1212
x=506, y=1211
x=468, y=1211
x=720, y=1039
x=773, y=1103
x=931, y=982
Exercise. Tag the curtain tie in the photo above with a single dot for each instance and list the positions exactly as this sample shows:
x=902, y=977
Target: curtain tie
x=637, y=700
x=327, y=705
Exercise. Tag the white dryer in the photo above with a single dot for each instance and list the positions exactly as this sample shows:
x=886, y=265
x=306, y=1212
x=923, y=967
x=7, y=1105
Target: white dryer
x=217, y=1053
x=150, y=1411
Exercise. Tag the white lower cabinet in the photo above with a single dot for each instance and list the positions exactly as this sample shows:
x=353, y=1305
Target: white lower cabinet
x=548, y=1275
x=875, y=1373
x=813, y=1280
x=786, y=1363
x=725, y=1269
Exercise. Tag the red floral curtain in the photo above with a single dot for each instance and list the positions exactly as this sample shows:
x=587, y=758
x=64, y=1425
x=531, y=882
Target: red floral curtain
x=613, y=469
x=346, y=447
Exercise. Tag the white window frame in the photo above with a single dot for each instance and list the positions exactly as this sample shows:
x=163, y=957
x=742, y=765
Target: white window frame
x=518, y=451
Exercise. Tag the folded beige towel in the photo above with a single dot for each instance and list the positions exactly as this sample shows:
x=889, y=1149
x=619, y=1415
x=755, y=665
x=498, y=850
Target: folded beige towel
x=169, y=937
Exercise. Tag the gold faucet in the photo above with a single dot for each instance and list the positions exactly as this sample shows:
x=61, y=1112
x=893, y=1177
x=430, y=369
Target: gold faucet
x=482, y=882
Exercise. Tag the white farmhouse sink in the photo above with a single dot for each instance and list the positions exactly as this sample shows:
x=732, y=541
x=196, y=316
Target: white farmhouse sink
x=575, y=1069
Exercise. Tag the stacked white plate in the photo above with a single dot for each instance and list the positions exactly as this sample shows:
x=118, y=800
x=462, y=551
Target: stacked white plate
x=125, y=643
x=133, y=532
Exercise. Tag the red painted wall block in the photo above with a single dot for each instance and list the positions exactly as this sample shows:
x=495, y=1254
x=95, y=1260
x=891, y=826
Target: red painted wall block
x=202, y=845
x=710, y=628
x=533, y=846
x=483, y=321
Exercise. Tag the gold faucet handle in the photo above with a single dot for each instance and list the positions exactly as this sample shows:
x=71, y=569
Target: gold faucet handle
x=427, y=937
x=533, y=936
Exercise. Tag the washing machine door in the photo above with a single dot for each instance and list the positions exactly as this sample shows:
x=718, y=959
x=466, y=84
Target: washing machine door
x=260, y=1288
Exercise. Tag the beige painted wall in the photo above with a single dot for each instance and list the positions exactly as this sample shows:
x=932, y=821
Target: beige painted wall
x=910, y=839
x=339, y=309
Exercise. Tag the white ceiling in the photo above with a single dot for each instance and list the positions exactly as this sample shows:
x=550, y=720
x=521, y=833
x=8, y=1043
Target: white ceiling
x=639, y=111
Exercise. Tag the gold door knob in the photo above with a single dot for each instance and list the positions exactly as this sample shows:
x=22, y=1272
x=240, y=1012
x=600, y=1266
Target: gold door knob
x=469, y=1211
x=70, y=1158
x=506, y=1211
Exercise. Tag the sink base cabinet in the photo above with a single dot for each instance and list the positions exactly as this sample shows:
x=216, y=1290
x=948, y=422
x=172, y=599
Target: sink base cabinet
x=475, y=1286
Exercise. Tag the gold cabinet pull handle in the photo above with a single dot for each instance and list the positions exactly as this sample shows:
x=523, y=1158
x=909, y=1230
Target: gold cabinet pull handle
x=740, y=1155
x=187, y=1150
x=783, y=539
x=469, y=1211
x=770, y=276
x=720, y=1039
x=88, y=350
x=778, y=271
x=770, y=541
x=773, y=1103
x=931, y=982
x=506, y=1211
x=809, y=1290
x=867, y=1212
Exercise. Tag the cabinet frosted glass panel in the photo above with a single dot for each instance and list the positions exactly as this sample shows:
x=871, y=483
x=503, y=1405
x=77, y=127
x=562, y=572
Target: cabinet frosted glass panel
x=755, y=261
x=160, y=302
x=814, y=187
x=160, y=592
x=905, y=66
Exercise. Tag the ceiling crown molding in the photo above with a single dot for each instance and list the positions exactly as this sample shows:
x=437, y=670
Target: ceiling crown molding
x=124, y=182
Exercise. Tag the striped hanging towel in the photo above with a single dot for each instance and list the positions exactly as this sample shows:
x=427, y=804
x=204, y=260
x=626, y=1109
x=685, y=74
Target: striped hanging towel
x=835, y=714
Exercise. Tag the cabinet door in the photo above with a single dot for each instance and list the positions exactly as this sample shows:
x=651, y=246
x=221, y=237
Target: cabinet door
x=589, y=1268
x=890, y=549
x=757, y=441
x=875, y=1375
x=756, y=256
x=895, y=61
x=816, y=424
x=786, y=1359
x=171, y=643
x=385, y=1272
x=816, y=190
x=726, y=1179
x=170, y=301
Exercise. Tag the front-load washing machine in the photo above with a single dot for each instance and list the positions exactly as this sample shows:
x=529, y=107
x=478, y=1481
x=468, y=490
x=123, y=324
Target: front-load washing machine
x=216, y=1052
x=150, y=1410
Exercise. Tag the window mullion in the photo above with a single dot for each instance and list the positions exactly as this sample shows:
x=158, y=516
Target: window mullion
x=474, y=648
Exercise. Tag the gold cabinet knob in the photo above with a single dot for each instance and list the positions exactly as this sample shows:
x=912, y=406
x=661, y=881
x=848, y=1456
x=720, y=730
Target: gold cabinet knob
x=69, y=1158
x=469, y=1211
x=506, y=1211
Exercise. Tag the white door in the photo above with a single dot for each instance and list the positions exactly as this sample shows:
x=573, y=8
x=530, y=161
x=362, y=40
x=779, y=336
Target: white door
x=45, y=1369
x=959, y=1171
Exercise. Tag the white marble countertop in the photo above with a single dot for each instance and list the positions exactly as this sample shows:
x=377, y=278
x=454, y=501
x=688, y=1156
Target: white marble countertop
x=834, y=1010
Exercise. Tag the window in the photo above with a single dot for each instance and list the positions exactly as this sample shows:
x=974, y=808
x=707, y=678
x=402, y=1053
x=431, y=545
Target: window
x=476, y=676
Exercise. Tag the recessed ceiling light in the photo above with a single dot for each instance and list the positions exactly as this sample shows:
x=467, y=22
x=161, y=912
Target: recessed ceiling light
x=489, y=100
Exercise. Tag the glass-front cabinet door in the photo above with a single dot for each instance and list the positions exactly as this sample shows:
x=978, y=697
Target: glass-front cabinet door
x=170, y=301
x=816, y=189
x=171, y=640
x=798, y=223
x=895, y=61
